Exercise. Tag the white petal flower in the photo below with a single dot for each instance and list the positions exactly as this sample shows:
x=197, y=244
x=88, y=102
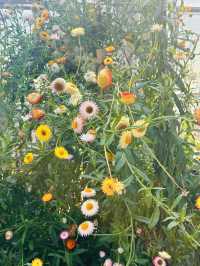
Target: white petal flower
x=86, y=228
x=90, y=207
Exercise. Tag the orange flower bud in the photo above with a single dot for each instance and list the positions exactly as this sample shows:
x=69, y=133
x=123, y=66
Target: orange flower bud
x=37, y=114
x=70, y=244
x=34, y=98
x=104, y=79
x=127, y=97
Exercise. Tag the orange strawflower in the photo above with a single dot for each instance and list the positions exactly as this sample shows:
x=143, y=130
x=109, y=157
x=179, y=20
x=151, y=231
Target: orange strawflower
x=127, y=97
x=70, y=244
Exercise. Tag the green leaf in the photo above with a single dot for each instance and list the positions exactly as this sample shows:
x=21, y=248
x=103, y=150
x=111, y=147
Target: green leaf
x=154, y=218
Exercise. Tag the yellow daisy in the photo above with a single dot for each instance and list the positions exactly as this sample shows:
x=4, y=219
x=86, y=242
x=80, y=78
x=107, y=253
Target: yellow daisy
x=28, y=158
x=111, y=186
x=43, y=133
x=47, y=197
x=108, y=61
x=140, y=128
x=37, y=262
x=61, y=153
x=125, y=139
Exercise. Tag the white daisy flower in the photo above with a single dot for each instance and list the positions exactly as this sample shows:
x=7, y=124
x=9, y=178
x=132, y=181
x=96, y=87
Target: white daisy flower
x=91, y=77
x=102, y=254
x=88, y=193
x=88, y=110
x=58, y=85
x=90, y=207
x=164, y=255
x=86, y=228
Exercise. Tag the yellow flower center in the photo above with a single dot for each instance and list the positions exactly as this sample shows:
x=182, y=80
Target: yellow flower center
x=84, y=226
x=89, y=206
x=88, y=190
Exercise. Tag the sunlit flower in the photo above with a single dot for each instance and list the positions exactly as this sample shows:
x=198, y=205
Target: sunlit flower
x=58, y=85
x=60, y=109
x=47, y=197
x=89, y=137
x=102, y=254
x=55, y=36
x=123, y=123
x=86, y=228
x=71, y=88
x=108, y=61
x=44, y=36
x=164, y=255
x=108, y=262
x=125, y=139
x=75, y=98
x=127, y=97
x=8, y=235
x=64, y=235
x=37, y=262
x=88, y=110
x=90, y=76
x=90, y=207
x=110, y=49
x=78, y=124
x=28, y=158
x=140, y=128
x=111, y=186
x=45, y=14
x=34, y=98
x=158, y=261
x=61, y=153
x=70, y=244
x=187, y=8
x=156, y=27
x=88, y=193
x=37, y=114
x=77, y=32
x=43, y=133
x=180, y=55
x=197, y=203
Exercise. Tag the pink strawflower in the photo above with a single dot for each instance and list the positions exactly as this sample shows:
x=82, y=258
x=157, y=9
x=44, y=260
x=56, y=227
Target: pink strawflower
x=158, y=261
x=64, y=235
x=78, y=124
x=88, y=110
x=108, y=262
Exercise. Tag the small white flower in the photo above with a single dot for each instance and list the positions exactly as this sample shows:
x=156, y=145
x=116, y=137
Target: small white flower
x=90, y=76
x=102, y=254
x=64, y=220
x=8, y=235
x=86, y=228
x=157, y=28
x=88, y=193
x=90, y=207
x=88, y=109
x=54, y=68
x=120, y=250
